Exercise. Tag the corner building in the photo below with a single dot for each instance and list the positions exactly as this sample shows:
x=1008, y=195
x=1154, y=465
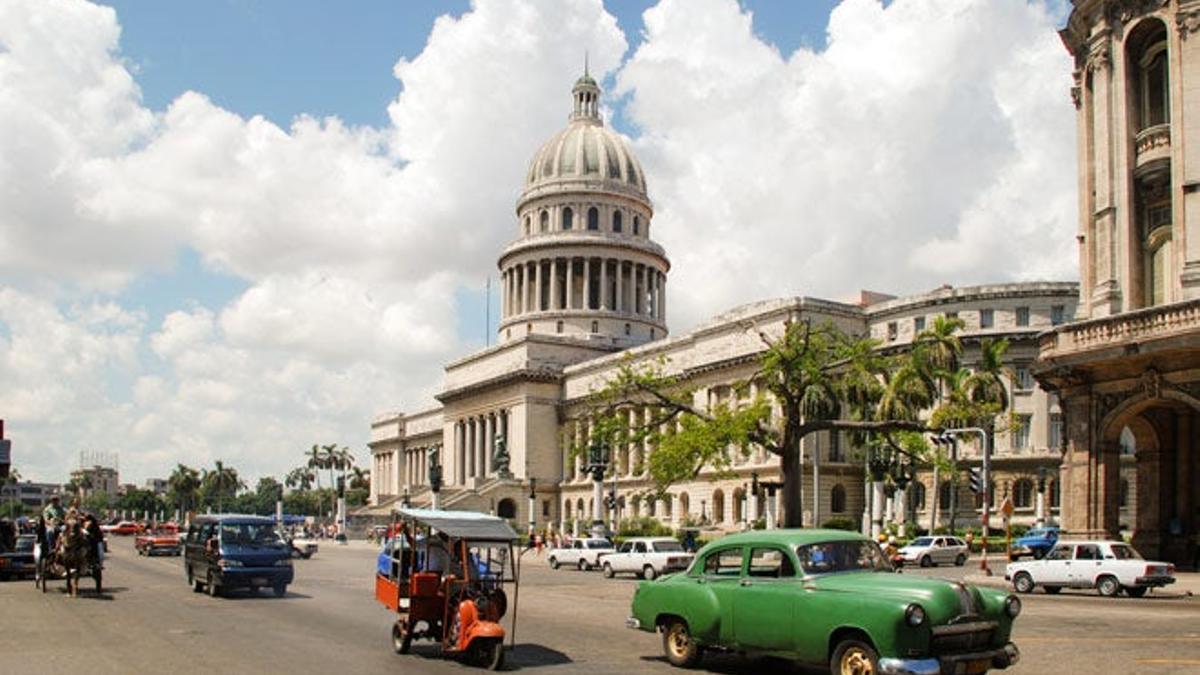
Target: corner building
x=1128, y=371
x=584, y=286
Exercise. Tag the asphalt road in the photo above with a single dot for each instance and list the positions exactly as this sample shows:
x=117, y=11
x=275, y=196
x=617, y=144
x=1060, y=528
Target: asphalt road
x=148, y=620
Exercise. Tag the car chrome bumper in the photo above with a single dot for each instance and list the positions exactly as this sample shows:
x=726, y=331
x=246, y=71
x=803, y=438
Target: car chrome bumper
x=950, y=665
x=633, y=623
x=1154, y=581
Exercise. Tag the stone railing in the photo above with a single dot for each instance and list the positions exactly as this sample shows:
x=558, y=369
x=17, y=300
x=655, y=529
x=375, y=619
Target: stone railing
x=1152, y=143
x=1152, y=323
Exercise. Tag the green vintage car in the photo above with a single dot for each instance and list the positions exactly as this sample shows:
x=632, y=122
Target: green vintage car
x=824, y=597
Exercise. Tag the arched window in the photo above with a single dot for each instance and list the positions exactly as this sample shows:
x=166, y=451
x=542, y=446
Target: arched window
x=528, y=231
x=568, y=218
x=593, y=218
x=1023, y=494
x=991, y=496
x=685, y=504
x=566, y=510
x=1055, y=498
x=944, y=496
x=637, y=226
x=616, y=221
x=1147, y=51
x=666, y=506
x=636, y=503
x=545, y=221
x=595, y=326
x=507, y=508
x=650, y=506
x=739, y=510
x=1123, y=493
x=837, y=499
x=916, y=496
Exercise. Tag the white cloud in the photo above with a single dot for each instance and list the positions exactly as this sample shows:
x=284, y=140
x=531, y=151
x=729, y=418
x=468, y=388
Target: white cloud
x=928, y=143
x=353, y=240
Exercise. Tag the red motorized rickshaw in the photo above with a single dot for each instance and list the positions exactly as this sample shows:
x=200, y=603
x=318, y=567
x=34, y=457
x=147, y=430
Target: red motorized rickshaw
x=445, y=580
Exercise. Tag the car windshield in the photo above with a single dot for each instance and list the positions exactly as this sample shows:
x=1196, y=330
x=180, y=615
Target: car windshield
x=24, y=544
x=599, y=544
x=248, y=534
x=921, y=541
x=1124, y=552
x=842, y=556
x=668, y=547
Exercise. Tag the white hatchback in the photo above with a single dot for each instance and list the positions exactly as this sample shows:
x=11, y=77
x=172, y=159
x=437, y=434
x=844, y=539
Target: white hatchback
x=935, y=550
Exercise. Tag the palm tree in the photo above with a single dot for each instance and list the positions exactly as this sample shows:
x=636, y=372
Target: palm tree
x=184, y=483
x=360, y=478
x=222, y=481
x=300, y=477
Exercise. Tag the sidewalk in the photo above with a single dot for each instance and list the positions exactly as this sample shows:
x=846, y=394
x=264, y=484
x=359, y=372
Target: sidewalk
x=1186, y=583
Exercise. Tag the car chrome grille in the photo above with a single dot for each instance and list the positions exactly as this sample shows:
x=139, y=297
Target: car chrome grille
x=962, y=638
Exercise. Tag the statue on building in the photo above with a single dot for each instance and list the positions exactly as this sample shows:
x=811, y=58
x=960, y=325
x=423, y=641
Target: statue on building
x=500, y=458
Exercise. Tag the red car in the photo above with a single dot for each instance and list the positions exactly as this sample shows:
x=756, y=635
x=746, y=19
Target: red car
x=125, y=527
x=163, y=542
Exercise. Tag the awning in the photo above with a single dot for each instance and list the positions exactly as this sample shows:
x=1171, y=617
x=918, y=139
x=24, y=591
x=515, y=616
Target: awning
x=463, y=524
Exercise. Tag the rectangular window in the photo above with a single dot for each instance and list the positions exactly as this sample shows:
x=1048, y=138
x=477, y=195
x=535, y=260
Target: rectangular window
x=835, y=447
x=1058, y=314
x=1022, y=316
x=892, y=331
x=770, y=563
x=1021, y=432
x=727, y=563
x=1023, y=379
x=545, y=508
x=1056, y=431
x=987, y=318
x=918, y=324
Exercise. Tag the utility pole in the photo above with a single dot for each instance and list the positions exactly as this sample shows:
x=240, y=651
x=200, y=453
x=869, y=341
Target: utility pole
x=948, y=437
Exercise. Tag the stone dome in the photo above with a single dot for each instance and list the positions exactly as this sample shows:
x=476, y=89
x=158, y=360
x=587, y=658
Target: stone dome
x=586, y=154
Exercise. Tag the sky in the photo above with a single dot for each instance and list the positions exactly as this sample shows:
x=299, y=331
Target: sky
x=230, y=230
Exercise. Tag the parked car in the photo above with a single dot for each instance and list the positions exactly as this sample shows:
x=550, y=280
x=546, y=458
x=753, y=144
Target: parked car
x=1108, y=566
x=583, y=553
x=1036, y=542
x=161, y=542
x=124, y=528
x=302, y=546
x=935, y=550
x=19, y=561
x=826, y=597
x=224, y=552
x=646, y=557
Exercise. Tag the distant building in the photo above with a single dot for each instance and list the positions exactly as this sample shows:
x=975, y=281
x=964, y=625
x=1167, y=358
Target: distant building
x=30, y=493
x=158, y=486
x=96, y=479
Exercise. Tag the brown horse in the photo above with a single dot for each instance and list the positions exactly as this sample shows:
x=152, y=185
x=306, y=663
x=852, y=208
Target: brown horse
x=72, y=553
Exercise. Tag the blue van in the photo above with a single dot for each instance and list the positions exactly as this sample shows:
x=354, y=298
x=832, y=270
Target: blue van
x=226, y=552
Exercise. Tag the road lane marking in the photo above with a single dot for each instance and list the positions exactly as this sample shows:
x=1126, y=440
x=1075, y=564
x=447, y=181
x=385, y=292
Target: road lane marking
x=1190, y=638
x=1169, y=662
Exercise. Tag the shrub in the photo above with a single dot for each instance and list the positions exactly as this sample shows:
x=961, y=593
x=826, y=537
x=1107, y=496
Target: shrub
x=644, y=526
x=840, y=524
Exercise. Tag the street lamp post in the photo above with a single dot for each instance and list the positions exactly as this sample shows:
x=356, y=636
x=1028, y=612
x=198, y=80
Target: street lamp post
x=532, y=506
x=1040, y=516
x=597, y=466
x=435, y=477
x=878, y=465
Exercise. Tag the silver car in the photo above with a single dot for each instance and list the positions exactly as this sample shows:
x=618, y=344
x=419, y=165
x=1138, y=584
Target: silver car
x=936, y=550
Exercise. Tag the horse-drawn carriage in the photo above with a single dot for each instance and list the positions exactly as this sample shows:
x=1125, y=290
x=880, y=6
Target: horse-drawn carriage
x=72, y=557
x=444, y=578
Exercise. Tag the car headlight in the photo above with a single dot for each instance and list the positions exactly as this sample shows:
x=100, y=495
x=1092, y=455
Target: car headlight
x=1012, y=606
x=914, y=615
x=283, y=562
x=225, y=562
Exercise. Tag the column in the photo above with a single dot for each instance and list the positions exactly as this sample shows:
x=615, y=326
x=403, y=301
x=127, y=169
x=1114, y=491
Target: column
x=604, y=283
x=490, y=450
x=577, y=464
x=633, y=415
x=481, y=462
x=570, y=283
x=460, y=458
x=641, y=290
x=662, y=300
x=587, y=283
x=554, y=304
x=620, y=304
x=519, y=288
x=504, y=293
x=538, y=282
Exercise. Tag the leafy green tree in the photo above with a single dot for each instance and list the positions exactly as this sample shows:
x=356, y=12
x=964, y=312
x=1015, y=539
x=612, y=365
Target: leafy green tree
x=138, y=501
x=818, y=378
x=300, y=478
x=360, y=478
x=220, y=483
x=184, y=488
x=266, y=492
x=97, y=502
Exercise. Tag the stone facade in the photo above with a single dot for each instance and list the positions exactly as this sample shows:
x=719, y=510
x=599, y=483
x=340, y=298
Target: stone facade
x=1128, y=372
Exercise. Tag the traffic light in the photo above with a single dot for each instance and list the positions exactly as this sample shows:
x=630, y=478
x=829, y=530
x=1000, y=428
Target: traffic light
x=976, y=479
x=610, y=501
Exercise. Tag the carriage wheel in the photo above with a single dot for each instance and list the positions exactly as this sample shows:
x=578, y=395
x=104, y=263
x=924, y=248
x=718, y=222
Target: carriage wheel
x=98, y=575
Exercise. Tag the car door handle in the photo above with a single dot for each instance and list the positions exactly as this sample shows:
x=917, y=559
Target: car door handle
x=745, y=582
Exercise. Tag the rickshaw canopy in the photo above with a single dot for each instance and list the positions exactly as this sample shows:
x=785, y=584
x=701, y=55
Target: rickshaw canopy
x=462, y=524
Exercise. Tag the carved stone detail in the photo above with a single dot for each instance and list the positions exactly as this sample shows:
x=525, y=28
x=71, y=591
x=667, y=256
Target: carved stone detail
x=1187, y=21
x=1121, y=11
x=1152, y=383
x=1099, y=58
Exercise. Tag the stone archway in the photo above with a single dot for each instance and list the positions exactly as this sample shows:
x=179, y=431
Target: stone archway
x=1162, y=477
x=507, y=508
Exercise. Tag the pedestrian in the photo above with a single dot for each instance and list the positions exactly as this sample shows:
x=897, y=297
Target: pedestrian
x=537, y=544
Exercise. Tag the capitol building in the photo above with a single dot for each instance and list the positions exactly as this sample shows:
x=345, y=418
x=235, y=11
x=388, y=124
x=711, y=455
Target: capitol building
x=584, y=290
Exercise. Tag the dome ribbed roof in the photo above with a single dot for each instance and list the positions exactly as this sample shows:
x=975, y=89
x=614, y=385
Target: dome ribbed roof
x=586, y=151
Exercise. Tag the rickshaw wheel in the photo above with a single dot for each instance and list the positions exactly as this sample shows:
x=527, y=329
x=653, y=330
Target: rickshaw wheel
x=401, y=637
x=489, y=653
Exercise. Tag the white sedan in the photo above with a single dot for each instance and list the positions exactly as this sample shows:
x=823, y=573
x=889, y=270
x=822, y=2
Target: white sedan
x=935, y=550
x=1107, y=566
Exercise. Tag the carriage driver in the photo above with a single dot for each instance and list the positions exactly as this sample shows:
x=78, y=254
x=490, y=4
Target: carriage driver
x=53, y=514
